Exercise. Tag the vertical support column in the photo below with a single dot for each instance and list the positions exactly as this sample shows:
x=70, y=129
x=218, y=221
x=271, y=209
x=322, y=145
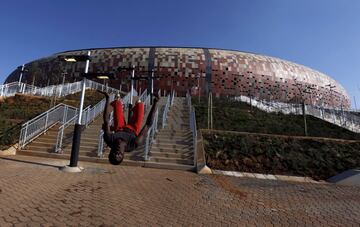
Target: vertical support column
x=208, y=71
x=304, y=114
x=151, y=67
x=77, y=129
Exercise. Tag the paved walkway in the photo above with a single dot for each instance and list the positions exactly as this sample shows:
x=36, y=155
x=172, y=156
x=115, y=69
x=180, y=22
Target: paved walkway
x=34, y=192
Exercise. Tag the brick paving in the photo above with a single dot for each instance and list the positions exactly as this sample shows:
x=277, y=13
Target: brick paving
x=34, y=194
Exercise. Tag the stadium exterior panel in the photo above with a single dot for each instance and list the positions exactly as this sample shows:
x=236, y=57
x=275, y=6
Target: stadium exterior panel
x=199, y=70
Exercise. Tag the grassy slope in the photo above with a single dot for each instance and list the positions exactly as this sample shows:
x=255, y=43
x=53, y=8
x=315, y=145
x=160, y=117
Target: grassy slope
x=237, y=116
x=315, y=157
x=16, y=110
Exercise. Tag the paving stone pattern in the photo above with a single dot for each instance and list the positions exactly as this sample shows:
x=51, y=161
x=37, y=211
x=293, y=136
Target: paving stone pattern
x=104, y=195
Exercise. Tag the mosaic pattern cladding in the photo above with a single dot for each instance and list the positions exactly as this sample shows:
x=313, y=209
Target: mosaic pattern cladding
x=199, y=70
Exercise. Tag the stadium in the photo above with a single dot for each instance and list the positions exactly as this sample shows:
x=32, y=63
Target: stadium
x=199, y=70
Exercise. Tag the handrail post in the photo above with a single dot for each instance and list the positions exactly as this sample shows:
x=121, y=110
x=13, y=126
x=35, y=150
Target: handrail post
x=147, y=144
x=101, y=144
x=65, y=114
x=46, y=120
x=25, y=134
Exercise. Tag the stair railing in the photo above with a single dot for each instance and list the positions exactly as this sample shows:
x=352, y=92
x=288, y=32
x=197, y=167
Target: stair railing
x=11, y=89
x=192, y=119
x=345, y=119
x=59, y=90
x=88, y=115
x=150, y=136
x=166, y=110
x=100, y=151
x=172, y=98
x=143, y=96
x=40, y=124
x=66, y=124
x=147, y=103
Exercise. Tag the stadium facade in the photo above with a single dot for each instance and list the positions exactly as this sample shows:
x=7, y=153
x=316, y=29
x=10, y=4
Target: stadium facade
x=200, y=70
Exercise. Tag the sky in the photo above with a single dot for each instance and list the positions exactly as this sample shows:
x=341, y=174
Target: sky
x=321, y=34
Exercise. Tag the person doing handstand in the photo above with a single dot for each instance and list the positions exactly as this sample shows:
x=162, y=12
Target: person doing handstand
x=124, y=137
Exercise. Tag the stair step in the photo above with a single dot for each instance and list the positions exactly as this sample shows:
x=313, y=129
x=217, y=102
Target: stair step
x=175, y=131
x=38, y=143
x=171, y=150
x=173, y=166
x=172, y=160
x=172, y=146
x=173, y=137
x=181, y=141
x=187, y=155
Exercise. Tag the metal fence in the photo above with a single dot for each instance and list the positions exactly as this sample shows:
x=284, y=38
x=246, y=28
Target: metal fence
x=59, y=90
x=343, y=118
x=40, y=124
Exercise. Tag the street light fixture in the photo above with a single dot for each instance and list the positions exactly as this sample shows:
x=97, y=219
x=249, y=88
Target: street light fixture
x=100, y=76
x=74, y=58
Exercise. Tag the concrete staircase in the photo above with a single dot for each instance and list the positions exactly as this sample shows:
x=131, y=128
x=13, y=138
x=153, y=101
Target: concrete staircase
x=172, y=148
x=44, y=145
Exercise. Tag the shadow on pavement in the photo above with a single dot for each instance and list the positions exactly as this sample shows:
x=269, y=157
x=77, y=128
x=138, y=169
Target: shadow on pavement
x=30, y=162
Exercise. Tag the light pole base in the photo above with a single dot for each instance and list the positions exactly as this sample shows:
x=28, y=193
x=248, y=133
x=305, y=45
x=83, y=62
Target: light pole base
x=69, y=169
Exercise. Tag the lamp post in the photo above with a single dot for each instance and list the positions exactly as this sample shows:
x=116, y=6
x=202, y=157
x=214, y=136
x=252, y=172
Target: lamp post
x=22, y=70
x=74, y=157
x=150, y=78
x=21, y=73
x=306, y=90
x=132, y=69
x=198, y=87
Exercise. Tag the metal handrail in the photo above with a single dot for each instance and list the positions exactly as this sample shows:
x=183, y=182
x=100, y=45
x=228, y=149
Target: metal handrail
x=166, y=110
x=194, y=132
x=143, y=96
x=61, y=129
x=41, y=123
x=147, y=102
x=150, y=136
x=345, y=119
x=192, y=123
x=172, y=98
x=101, y=144
x=89, y=114
x=60, y=136
x=59, y=90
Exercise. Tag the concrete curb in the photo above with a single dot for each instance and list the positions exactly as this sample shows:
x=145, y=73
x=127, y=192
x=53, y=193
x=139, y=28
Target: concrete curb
x=11, y=150
x=267, y=176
